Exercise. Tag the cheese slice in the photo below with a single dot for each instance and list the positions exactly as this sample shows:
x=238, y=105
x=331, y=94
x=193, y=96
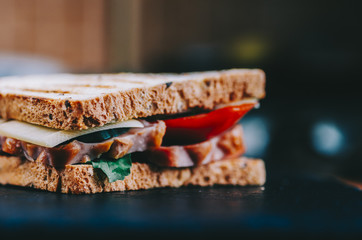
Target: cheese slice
x=48, y=137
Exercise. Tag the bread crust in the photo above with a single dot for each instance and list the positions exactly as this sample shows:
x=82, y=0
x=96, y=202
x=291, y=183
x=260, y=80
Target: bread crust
x=143, y=101
x=83, y=179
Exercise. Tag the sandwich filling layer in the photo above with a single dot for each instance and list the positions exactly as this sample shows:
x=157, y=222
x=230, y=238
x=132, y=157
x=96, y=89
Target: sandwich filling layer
x=186, y=141
x=78, y=151
x=147, y=141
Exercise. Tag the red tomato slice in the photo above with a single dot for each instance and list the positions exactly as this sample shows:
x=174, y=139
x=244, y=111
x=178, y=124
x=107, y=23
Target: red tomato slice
x=198, y=128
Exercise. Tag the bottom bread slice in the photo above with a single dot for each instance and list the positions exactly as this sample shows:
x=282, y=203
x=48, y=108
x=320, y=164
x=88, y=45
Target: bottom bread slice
x=78, y=179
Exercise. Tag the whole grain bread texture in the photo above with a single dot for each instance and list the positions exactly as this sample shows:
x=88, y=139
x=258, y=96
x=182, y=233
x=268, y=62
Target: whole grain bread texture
x=75, y=102
x=84, y=179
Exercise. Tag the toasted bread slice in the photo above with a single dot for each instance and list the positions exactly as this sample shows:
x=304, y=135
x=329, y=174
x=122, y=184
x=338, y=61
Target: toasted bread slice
x=83, y=101
x=79, y=179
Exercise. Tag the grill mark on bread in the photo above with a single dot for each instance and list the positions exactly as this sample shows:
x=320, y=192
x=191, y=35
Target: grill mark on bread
x=89, y=86
x=45, y=91
x=75, y=90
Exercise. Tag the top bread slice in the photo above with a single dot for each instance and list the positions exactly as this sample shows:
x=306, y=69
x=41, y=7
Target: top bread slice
x=74, y=102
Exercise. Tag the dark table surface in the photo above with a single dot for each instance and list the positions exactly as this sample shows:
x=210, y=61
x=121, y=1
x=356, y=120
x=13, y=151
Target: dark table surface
x=289, y=205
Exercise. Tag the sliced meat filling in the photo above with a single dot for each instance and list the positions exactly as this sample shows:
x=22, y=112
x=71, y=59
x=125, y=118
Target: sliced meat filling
x=135, y=140
x=228, y=144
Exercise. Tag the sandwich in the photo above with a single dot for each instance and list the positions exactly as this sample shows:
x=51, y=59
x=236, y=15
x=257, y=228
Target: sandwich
x=95, y=133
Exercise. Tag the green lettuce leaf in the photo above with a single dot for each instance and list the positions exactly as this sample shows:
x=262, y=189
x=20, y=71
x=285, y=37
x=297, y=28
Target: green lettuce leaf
x=114, y=169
